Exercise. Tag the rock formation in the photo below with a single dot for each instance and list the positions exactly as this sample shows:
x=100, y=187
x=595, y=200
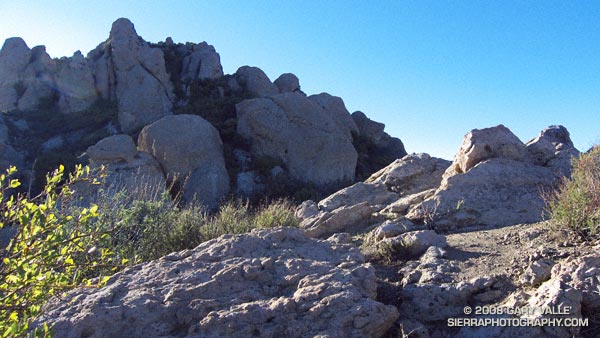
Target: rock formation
x=304, y=136
x=496, y=180
x=268, y=283
x=128, y=70
x=190, y=152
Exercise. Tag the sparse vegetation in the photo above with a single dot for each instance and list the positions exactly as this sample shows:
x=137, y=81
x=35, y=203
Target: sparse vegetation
x=59, y=245
x=576, y=203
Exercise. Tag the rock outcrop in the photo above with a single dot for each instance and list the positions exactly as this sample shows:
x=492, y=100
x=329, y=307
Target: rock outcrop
x=287, y=83
x=75, y=84
x=14, y=58
x=411, y=174
x=255, y=81
x=128, y=70
x=190, y=151
x=373, y=131
x=306, y=138
x=268, y=283
x=26, y=75
x=201, y=61
x=495, y=179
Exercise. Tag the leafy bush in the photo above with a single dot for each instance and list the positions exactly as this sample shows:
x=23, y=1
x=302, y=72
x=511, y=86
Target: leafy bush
x=52, y=250
x=576, y=203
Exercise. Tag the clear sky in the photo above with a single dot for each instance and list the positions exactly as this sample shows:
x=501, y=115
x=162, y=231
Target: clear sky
x=430, y=70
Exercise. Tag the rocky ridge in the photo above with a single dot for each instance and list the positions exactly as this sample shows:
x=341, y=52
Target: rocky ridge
x=139, y=84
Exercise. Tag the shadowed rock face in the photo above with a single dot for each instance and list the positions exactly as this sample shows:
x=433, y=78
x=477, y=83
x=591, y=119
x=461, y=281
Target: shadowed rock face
x=268, y=283
x=302, y=134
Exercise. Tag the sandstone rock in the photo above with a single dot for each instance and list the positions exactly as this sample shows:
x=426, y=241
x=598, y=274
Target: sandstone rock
x=538, y=272
x=392, y=229
x=75, y=84
x=129, y=70
x=268, y=283
x=343, y=219
x=402, y=205
x=116, y=148
x=482, y=144
x=255, y=81
x=415, y=243
x=14, y=57
x=307, y=209
x=440, y=301
x=553, y=148
x=202, y=62
x=497, y=180
x=37, y=79
x=334, y=106
x=287, y=83
x=300, y=133
x=411, y=174
x=375, y=195
x=498, y=191
x=190, y=152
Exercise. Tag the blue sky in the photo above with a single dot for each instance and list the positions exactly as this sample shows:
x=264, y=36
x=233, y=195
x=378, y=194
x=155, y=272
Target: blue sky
x=430, y=70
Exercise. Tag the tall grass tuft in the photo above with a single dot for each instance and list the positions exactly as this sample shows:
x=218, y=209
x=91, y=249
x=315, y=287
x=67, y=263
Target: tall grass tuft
x=576, y=203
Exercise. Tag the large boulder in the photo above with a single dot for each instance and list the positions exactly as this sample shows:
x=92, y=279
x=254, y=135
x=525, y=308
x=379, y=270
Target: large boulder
x=553, y=148
x=190, y=152
x=335, y=107
x=255, y=81
x=481, y=144
x=14, y=57
x=301, y=134
x=411, y=174
x=495, y=180
x=287, y=83
x=267, y=283
x=129, y=70
x=37, y=79
x=75, y=84
x=201, y=62
x=116, y=148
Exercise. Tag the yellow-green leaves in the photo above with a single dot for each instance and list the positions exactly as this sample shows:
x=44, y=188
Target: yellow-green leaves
x=50, y=252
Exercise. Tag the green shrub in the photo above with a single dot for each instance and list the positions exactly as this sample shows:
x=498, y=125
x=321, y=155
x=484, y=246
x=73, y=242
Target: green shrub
x=145, y=230
x=576, y=203
x=53, y=250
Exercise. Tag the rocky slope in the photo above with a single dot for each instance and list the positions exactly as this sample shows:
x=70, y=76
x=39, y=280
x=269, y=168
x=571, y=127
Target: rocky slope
x=417, y=241
x=57, y=108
